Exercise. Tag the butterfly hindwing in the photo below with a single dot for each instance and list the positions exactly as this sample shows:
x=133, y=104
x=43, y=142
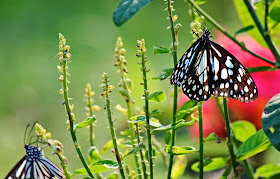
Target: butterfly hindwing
x=231, y=79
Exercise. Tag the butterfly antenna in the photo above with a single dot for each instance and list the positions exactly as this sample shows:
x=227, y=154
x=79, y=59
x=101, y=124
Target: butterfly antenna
x=215, y=24
x=24, y=138
x=201, y=18
x=31, y=131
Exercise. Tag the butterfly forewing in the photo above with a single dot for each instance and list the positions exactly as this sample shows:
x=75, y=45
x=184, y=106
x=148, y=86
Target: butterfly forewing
x=208, y=69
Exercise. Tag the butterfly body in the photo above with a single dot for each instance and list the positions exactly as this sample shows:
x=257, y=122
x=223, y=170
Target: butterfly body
x=208, y=69
x=34, y=165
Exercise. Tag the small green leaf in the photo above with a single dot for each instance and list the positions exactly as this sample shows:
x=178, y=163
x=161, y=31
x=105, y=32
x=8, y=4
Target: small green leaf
x=179, y=150
x=270, y=121
x=216, y=163
x=158, y=96
x=156, y=111
x=211, y=137
x=242, y=130
x=133, y=151
x=159, y=50
x=110, y=145
x=274, y=13
x=106, y=163
x=254, y=145
x=200, y=2
x=155, y=122
x=85, y=123
x=93, y=154
x=267, y=170
x=167, y=137
x=137, y=119
x=126, y=9
x=166, y=74
x=187, y=109
x=169, y=127
x=113, y=176
x=244, y=29
x=93, y=169
x=261, y=68
x=126, y=132
x=179, y=167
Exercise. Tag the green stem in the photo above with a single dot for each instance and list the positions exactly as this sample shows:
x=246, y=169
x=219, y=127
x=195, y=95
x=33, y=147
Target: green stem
x=91, y=126
x=71, y=119
x=174, y=54
x=63, y=163
x=146, y=94
x=112, y=129
x=141, y=153
x=220, y=28
x=263, y=32
x=200, y=122
x=267, y=3
x=247, y=165
x=229, y=138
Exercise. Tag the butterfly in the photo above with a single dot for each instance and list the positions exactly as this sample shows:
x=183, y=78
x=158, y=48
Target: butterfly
x=208, y=69
x=34, y=165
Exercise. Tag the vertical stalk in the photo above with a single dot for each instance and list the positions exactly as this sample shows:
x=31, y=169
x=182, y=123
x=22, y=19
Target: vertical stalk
x=112, y=129
x=200, y=122
x=141, y=153
x=64, y=57
x=229, y=138
x=174, y=54
x=267, y=3
x=63, y=163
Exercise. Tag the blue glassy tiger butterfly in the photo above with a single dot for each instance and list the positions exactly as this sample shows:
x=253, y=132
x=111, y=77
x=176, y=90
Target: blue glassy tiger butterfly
x=34, y=165
x=208, y=69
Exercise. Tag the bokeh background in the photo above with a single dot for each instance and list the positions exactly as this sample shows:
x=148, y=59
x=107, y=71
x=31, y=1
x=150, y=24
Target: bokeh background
x=29, y=88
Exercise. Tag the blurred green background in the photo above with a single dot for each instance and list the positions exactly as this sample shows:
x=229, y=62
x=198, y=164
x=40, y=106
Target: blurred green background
x=29, y=88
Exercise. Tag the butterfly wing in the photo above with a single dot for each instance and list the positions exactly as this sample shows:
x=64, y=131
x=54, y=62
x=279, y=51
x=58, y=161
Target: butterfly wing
x=179, y=73
x=18, y=171
x=48, y=168
x=231, y=79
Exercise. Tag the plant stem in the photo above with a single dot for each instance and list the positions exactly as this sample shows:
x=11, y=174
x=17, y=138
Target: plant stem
x=200, y=122
x=71, y=119
x=263, y=32
x=229, y=138
x=146, y=94
x=91, y=125
x=141, y=153
x=174, y=54
x=267, y=3
x=112, y=129
x=220, y=28
x=247, y=165
x=63, y=163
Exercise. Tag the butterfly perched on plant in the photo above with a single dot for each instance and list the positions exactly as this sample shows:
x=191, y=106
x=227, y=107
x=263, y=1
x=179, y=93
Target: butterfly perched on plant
x=34, y=165
x=208, y=69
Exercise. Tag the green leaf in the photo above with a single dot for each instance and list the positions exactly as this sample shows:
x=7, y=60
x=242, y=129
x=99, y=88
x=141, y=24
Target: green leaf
x=169, y=127
x=137, y=119
x=167, y=137
x=113, y=176
x=156, y=111
x=212, y=136
x=244, y=29
x=158, y=96
x=93, y=169
x=247, y=20
x=166, y=74
x=261, y=68
x=155, y=122
x=242, y=130
x=267, y=170
x=107, y=163
x=270, y=121
x=133, y=151
x=187, y=109
x=93, y=154
x=179, y=167
x=110, y=145
x=274, y=13
x=254, y=145
x=216, y=163
x=85, y=123
x=179, y=150
x=126, y=9
x=159, y=50
x=200, y=2
x=126, y=132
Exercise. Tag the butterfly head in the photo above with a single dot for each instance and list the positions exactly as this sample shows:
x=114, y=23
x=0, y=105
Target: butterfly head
x=206, y=33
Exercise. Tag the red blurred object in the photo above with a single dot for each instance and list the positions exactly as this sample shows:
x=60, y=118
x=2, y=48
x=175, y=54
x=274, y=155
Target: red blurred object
x=267, y=83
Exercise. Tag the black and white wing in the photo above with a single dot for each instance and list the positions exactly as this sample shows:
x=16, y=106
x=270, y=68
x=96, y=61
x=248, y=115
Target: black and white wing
x=231, y=79
x=18, y=170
